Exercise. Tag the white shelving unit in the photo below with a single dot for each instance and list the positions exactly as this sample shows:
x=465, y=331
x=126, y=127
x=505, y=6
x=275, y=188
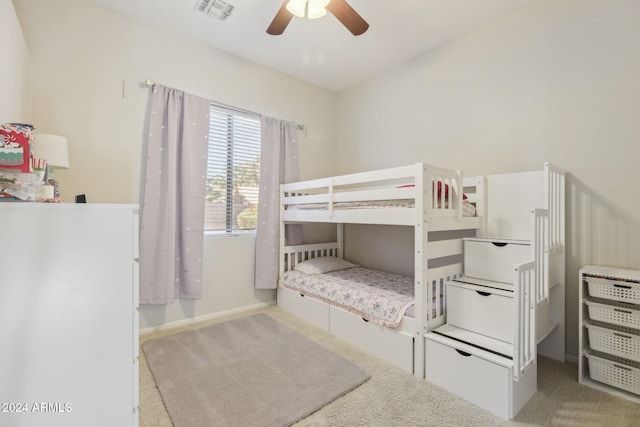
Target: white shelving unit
x=609, y=334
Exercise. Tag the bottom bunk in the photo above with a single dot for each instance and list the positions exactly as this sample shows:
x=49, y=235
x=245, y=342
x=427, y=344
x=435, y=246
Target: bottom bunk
x=394, y=345
x=371, y=309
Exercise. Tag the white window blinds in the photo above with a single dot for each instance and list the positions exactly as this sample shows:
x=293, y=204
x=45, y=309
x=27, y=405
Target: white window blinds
x=233, y=171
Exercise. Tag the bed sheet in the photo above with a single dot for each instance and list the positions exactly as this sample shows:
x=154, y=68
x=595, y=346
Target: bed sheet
x=380, y=297
x=468, y=209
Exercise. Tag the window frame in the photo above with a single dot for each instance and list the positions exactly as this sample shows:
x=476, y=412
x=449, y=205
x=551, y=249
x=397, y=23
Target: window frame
x=231, y=113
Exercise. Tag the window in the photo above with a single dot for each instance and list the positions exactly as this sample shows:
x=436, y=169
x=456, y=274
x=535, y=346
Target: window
x=233, y=171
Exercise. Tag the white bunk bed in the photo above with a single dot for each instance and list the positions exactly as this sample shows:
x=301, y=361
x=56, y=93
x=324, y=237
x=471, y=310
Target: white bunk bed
x=422, y=196
x=497, y=339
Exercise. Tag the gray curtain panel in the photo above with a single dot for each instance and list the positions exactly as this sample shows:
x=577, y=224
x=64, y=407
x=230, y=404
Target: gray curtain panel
x=172, y=223
x=278, y=165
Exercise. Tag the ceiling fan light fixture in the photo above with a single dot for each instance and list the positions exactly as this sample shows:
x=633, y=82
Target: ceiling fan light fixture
x=317, y=8
x=297, y=7
x=315, y=13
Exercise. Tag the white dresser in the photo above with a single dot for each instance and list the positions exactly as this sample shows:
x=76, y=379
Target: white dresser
x=609, y=334
x=68, y=315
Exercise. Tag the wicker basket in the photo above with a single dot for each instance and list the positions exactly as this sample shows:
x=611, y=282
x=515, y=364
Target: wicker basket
x=614, y=290
x=618, y=373
x=619, y=314
x=618, y=342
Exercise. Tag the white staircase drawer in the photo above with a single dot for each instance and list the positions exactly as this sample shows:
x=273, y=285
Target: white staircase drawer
x=480, y=309
x=494, y=259
x=469, y=376
x=477, y=375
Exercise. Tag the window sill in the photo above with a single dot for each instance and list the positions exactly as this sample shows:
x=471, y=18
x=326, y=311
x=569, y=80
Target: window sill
x=221, y=235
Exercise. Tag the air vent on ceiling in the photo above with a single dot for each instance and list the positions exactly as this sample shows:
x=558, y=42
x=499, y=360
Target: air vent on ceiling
x=219, y=9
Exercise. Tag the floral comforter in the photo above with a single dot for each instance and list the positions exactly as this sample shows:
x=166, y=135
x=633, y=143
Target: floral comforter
x=377, y=296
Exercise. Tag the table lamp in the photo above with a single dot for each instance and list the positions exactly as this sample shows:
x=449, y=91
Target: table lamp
x=53, y=149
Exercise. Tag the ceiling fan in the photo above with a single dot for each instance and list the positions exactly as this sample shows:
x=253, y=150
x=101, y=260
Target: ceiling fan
x=316, y=9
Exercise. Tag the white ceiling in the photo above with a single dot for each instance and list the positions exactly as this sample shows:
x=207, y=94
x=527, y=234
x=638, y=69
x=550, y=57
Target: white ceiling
x=322, y=52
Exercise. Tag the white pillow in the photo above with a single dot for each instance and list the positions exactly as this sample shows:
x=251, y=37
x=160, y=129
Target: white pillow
x=323, y=264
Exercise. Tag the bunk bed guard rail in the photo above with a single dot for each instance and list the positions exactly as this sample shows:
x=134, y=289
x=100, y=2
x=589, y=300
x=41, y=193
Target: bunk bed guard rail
x=555, y=187
x=540, y=247
x=524, y=349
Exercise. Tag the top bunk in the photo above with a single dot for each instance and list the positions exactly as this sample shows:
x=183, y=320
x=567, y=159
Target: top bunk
x=414, y=195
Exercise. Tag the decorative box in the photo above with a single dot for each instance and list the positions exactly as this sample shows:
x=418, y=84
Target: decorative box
x=15, y=146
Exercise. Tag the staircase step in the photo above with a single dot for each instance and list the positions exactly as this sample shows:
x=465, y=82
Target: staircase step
x=501, y=349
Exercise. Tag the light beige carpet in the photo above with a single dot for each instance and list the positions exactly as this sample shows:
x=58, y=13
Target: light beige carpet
x=251, y=371
x=393, y=397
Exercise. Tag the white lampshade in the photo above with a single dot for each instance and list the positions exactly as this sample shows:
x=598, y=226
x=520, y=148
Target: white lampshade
x=52, y=148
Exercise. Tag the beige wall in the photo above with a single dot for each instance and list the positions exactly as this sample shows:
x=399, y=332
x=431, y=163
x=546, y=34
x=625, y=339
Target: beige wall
x=554, y=81
x=88, y=65
x=14, y=72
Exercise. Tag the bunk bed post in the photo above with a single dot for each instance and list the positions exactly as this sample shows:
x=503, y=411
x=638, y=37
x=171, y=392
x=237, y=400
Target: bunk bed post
x=481, y=204
x=460, y=192
x=340, y=239
x=421, y=290
x=281, y=256
x=553, y=346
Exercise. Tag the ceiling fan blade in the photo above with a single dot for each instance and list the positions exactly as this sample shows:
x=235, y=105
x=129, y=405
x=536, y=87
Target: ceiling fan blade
x=348, y=16
x=280, y=21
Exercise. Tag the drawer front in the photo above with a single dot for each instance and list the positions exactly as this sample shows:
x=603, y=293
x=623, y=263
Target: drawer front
x=618, y=342
x=311, y=310
x=494, y=261
x=394, y=346
x=614, y=290
x=618, y=314
x=615, y=373
x=473, y=378
x=483, y=312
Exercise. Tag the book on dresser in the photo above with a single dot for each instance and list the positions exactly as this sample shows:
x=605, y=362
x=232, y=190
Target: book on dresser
x=609, y=331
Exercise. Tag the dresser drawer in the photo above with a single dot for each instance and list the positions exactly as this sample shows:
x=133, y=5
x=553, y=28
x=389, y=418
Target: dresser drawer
x=494, y=259
x=480, y=309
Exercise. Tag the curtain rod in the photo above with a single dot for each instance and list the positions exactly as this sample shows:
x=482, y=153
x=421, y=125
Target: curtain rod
x=300, y=127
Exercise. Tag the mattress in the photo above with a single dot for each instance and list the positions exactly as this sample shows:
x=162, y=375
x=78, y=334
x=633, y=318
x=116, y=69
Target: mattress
x=468, y=209
x=380, y=297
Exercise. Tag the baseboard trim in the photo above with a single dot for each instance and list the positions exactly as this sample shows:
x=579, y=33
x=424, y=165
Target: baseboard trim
x=571, y=358
x=204, y=317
